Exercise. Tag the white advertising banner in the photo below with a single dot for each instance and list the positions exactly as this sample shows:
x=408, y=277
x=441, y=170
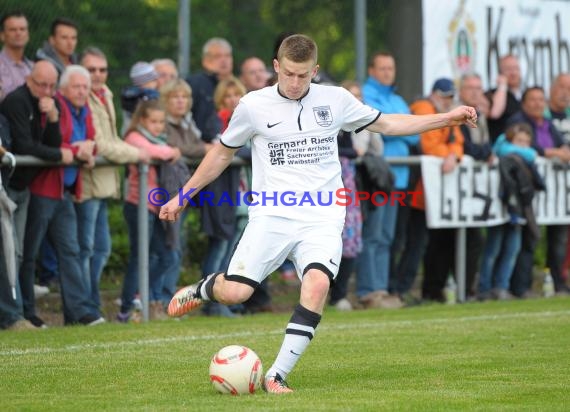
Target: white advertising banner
x=461, y=36
x=469, y=196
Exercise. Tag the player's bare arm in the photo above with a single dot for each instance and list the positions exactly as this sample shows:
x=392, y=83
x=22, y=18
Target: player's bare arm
x=213, y=164
x=407, y=124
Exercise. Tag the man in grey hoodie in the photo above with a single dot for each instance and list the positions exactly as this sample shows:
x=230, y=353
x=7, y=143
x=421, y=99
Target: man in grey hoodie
x=60, y=46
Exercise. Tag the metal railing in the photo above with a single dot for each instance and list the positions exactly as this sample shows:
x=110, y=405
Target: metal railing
x=143, y=229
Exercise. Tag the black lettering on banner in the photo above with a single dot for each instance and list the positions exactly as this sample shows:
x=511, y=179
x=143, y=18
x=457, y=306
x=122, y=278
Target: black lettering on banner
x=461, y=193
x=562, y=46
x=536, y=55
x=493, y=42
x=540, y=47
x=445, y=204
x=481, y=195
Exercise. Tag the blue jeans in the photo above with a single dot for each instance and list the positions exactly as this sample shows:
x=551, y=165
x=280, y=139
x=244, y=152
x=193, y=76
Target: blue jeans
x=161, y=258
x=172, y=274
x=49, y=264
x=374, y=261
x=416, y=243
x=521, y=279
x=94, y=241
x=398, y=245
x=214, y=260
x=57, y=219
x=499, y=257
x=165, y=290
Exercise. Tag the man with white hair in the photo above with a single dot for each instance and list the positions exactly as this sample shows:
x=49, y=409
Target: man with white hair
x=219, y=226
x=166, y=70
x=51, y=209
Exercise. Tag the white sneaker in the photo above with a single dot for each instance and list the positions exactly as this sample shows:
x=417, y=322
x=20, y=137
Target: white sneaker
x=343, y=305
x=137, y=303
x=40, y=291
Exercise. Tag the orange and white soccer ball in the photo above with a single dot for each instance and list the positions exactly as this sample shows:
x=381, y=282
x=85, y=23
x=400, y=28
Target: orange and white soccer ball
x=236, y=370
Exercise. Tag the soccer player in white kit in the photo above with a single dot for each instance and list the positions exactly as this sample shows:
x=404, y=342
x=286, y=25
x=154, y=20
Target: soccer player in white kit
x=292, y=127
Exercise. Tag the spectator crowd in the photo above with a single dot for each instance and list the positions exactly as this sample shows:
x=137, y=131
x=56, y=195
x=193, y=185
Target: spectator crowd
x=58, y=107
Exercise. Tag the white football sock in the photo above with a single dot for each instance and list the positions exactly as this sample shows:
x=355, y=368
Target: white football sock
x=298, y=335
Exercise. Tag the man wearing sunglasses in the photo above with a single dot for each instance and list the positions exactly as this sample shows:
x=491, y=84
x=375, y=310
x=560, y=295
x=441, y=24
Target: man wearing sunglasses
x=100, y=183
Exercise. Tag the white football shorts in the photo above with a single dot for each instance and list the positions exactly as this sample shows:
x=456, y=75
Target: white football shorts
x=268, y=240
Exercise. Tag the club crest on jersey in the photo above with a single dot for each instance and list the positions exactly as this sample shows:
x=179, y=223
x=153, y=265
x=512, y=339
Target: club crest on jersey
x=323, y=115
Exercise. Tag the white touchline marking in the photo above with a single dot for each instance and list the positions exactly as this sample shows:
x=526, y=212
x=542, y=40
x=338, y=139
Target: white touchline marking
x=323, y=328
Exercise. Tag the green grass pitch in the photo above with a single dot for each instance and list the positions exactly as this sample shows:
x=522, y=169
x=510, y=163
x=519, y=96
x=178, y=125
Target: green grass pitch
x=489, y=357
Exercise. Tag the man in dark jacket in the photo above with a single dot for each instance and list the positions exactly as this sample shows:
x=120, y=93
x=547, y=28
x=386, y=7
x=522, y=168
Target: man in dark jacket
x=33, y=116
x=218, y=222
x=548, y=142
x=217, y=62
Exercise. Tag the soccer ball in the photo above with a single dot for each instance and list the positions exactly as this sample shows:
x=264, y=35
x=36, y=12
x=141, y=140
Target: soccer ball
x=236, y=370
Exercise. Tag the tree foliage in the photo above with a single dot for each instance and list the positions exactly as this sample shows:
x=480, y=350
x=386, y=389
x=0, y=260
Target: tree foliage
x=132, y=30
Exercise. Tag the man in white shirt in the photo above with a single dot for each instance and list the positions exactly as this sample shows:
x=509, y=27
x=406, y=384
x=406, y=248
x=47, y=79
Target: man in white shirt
x=296, y=173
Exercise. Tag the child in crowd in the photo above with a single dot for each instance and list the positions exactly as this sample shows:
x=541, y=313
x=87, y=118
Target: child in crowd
x=144, y=86
x=518, y=182
x=146, y=131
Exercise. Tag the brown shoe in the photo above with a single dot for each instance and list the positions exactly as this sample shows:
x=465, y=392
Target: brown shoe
x=382, y=300
x=156, y=311
x=369, y=298
x=391, y=302
x=21, y=324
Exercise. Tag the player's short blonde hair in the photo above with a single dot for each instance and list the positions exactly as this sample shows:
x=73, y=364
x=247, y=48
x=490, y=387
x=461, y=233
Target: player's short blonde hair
x=298, y=48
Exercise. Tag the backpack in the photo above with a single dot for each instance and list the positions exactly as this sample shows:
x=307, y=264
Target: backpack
x=375, y=174
x=173, y=176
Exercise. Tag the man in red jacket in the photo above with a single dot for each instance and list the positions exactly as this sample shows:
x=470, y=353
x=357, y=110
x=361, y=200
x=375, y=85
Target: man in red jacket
x=51, y=209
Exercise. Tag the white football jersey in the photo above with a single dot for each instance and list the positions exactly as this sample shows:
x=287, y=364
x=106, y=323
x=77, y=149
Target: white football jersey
x=295, y=166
